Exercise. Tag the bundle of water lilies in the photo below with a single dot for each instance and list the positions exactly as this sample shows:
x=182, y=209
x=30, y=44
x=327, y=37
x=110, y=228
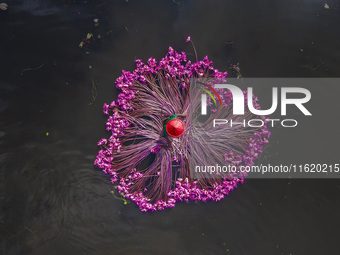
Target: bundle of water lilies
x=155, y=135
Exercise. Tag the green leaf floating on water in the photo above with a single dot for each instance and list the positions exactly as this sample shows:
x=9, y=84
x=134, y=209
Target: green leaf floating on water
x=121, y=197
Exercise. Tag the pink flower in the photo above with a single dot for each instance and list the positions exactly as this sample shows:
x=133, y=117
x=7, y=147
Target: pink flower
x=188, y=39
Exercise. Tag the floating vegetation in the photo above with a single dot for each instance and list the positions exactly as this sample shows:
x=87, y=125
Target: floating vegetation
x=311, y=67
x=31, y=69
x=86, y=41
x=94, y=92
x=148, y=159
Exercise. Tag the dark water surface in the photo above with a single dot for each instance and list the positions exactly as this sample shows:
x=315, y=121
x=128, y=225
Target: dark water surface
x=54, y=201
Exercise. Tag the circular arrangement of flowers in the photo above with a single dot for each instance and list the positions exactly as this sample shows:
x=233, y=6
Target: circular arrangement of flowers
x=149, y=151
